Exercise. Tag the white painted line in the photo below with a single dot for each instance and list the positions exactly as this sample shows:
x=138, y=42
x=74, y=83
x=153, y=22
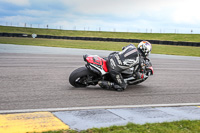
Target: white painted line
x=97, y=107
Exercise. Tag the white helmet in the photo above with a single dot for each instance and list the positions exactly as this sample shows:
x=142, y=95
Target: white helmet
x=145, y=47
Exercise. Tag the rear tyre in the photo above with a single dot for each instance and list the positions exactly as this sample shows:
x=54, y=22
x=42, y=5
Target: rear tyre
x=79, y=77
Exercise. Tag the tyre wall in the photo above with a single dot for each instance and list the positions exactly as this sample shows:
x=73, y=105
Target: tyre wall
x=196, y=44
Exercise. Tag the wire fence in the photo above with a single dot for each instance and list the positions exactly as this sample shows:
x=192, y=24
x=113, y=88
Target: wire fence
x=183, y=30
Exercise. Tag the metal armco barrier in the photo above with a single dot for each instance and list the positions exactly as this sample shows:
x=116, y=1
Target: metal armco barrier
x=196, y=44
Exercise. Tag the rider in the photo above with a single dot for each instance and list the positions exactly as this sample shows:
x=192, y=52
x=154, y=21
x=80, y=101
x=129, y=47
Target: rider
x=130, y=56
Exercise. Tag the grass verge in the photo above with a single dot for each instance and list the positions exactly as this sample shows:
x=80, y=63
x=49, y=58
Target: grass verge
x=122, y=35
x=185, y=126
x=99, y=45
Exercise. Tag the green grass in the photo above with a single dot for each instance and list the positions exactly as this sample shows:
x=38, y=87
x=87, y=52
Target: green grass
x=99, y=45
x=123, y=35
x=185, y=126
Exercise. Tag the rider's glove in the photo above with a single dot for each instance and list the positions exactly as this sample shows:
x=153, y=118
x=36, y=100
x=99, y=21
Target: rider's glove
x=141, y=75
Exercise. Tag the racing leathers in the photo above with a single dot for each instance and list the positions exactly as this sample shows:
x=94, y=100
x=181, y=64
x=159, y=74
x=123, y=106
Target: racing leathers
x=120, y=61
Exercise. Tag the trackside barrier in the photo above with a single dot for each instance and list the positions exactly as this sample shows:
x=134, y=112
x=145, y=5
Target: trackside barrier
x=196, y=44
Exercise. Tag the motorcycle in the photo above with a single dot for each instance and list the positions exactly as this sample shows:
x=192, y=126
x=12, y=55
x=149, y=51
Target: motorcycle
x=96, y=69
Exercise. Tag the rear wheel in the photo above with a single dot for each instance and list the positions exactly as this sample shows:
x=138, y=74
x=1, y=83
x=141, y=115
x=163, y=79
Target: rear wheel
x=81, y=77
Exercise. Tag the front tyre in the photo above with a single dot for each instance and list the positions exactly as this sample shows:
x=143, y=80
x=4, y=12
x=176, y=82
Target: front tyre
x=80, y=77
x=138, y=82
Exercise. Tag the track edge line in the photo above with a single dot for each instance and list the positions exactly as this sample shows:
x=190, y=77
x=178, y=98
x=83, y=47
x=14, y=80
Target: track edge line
x=96, y=107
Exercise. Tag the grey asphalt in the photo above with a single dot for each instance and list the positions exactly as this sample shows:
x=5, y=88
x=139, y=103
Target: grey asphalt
x=35, y=81
x=33, y=77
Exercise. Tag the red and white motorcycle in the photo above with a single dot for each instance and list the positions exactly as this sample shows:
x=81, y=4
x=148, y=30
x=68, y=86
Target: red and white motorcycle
x=96, y=70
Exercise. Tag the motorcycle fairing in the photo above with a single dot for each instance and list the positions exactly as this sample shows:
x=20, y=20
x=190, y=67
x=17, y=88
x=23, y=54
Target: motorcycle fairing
x=97, y=62
x=151, y=68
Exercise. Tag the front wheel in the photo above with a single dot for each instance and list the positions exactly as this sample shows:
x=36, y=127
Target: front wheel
x=138, y=82
x=135, y=82
x=82, y=77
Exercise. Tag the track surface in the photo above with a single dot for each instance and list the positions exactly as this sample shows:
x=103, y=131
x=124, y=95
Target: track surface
x=34, y=81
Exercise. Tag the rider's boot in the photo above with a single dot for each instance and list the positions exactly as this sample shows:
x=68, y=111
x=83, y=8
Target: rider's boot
x=118, y=88
x=105, y=84
x=111, y=86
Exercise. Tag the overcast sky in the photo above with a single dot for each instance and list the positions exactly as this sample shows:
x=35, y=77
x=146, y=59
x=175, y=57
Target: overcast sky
x=163, y=16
